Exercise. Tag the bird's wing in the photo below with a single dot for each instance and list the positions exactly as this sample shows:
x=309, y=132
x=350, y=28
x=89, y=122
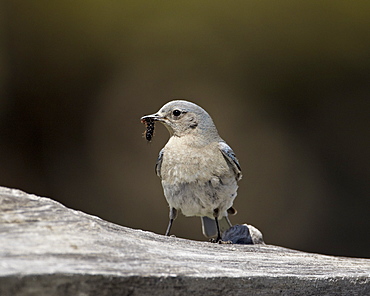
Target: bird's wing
x=158, y=164
x=231, y=159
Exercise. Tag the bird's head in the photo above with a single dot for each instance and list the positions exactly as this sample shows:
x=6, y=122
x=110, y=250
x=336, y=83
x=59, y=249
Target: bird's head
x=183, y=118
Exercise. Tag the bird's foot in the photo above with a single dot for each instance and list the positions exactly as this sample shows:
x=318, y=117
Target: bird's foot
x=220, y=241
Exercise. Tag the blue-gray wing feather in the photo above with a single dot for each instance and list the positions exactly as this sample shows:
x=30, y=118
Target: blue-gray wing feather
x=230, y=157
x=158, y=164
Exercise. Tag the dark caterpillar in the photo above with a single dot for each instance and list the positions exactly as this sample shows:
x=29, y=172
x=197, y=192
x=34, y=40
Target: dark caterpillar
x=149, y=122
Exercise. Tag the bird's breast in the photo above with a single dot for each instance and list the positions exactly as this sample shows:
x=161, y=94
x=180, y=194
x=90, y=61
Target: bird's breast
x=186, y=164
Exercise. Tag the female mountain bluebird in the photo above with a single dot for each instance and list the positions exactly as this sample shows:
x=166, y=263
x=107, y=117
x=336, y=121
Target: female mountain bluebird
x=198, y=170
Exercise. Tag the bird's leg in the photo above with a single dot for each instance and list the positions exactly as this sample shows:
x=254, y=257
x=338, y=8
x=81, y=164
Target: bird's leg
x=215, y=214
x=169, y=227
x=173, y=215
x=218, y=239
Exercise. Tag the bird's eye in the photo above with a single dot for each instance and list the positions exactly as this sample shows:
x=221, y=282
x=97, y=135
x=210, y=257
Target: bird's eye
x=176, y=112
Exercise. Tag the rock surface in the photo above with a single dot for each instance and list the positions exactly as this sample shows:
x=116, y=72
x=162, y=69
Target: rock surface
x=48, y=249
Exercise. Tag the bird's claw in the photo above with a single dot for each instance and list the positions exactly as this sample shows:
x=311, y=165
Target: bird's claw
x=220, y=241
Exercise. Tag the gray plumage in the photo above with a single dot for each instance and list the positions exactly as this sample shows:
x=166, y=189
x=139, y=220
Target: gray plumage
x=198, y=170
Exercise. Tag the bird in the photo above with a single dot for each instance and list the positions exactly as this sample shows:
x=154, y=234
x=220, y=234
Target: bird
x=199, y=171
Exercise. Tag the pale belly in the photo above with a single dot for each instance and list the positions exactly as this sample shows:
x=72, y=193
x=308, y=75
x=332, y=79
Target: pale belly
x=197, y=181
x=201, y=199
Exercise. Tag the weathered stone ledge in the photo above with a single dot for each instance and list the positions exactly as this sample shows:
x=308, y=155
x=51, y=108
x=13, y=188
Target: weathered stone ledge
x=48, y=249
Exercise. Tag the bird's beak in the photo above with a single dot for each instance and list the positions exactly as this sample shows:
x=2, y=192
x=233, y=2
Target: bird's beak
x=152, y=117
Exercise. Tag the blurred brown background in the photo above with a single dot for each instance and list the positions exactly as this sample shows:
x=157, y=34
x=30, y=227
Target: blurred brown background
x=287, y=85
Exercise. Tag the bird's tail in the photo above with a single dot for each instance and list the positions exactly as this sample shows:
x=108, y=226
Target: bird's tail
x=209, y=227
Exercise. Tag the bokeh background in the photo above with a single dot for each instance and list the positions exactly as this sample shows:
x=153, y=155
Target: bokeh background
x=287, y=84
